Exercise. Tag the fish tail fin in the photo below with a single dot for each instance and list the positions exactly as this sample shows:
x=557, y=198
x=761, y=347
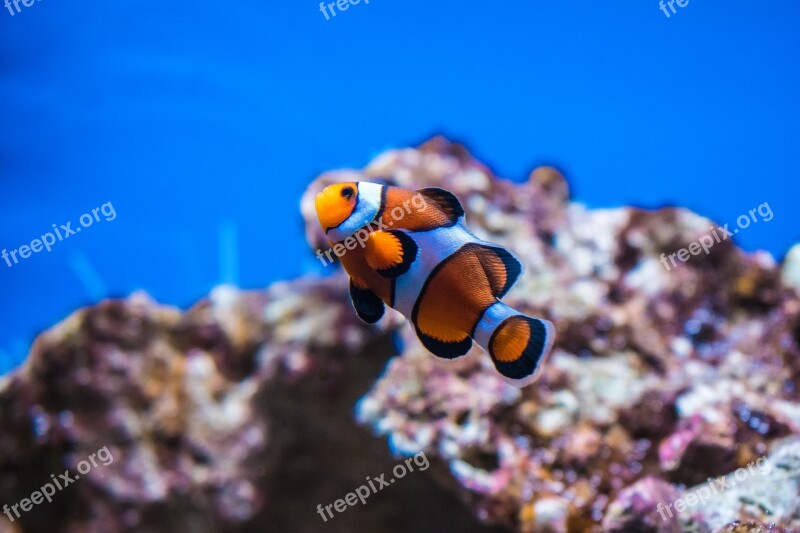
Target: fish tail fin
x=518, y=344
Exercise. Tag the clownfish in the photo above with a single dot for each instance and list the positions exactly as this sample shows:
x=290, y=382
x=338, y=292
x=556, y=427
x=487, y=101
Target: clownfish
x=412, y=250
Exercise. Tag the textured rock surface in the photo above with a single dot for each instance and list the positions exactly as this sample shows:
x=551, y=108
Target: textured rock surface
x=172, y=396
x=764, y=491
x=673, y=375
x=233, y=416
x=240, y=414
x=636, y=508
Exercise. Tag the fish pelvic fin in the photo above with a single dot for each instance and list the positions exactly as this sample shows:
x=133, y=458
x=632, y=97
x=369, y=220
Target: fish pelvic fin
x=369, y=307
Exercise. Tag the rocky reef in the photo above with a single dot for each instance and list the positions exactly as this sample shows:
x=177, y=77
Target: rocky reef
x=663, y=377
x=249, y=409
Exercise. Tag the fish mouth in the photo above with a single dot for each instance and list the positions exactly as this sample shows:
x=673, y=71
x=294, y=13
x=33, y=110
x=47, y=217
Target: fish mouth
x=331, y=209
x=330, y=216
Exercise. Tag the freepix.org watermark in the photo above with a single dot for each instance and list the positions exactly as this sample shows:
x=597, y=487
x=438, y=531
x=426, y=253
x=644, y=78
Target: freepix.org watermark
x=671, y=3
x=65, y=231
x=48, y=490
x=361, y=237
x=343, y=5
x=363, y=492
x=706, y=242
x=16, y=3
x=701, y=494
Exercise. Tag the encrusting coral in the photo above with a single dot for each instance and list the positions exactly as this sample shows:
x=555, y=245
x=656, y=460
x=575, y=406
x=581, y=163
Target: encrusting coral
x=660, y=380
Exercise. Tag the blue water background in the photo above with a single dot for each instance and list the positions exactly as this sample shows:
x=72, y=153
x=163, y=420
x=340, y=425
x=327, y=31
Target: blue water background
x=202, y=122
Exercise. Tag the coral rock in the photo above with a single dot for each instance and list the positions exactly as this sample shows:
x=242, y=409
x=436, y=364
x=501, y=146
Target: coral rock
x=641, y=508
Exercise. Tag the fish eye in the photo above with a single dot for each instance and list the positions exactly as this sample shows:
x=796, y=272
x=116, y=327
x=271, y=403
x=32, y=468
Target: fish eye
x=347, y=192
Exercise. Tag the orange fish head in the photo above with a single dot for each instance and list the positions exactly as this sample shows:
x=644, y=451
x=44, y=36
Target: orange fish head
x=336, y=203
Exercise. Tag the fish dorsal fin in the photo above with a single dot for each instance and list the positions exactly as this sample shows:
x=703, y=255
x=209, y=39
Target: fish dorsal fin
x=446, y=202
x=502, y=269
x=391, y=253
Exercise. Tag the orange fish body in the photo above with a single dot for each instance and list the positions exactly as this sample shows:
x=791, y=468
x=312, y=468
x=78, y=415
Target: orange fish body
x=411, y=250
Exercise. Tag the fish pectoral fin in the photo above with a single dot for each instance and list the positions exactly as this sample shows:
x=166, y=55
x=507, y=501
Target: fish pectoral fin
x=502, y=269
x=369, y=307
x=445, y=201
x=390, y=253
